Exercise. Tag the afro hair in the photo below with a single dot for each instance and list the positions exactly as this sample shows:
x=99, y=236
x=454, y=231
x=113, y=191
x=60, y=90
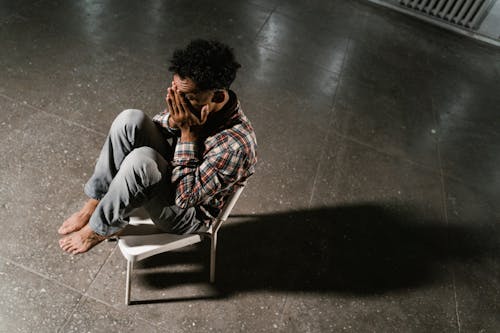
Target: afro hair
x=210, y=64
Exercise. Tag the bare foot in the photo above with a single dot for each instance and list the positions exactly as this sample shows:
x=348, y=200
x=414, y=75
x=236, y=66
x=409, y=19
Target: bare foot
x=80, y=241
x=74, y=223
x=79, y=219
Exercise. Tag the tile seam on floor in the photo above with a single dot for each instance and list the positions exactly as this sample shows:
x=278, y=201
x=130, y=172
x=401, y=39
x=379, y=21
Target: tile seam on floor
x=327, y=136
x=71, y=314
x=387, y=153
x=53, y=115
x=42, y=275
x=295, y=19
x=304, y=61
x=264, y=24
x=322, y=153
x=457, y=314
x=85, y=294
x=86, y=297
x=99, y=269
x=138, y=60
x=444, y=206
x=18, y=13
x=423, y=166
x=258, y=45
x=283, y=308
x=155, y=325
x=428, y=168
x=494, y=209
x=119, y=49
x=68, y=121
x=6, y=19
x=325, y=141
x=93, y=297
x=256, y=42
x=48, y=278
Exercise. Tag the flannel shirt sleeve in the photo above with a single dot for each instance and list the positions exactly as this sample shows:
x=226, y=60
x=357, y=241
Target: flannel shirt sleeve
x=162, y=119
x=197, y=182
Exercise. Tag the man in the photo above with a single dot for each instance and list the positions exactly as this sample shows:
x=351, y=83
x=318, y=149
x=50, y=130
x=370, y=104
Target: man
x=181, y=165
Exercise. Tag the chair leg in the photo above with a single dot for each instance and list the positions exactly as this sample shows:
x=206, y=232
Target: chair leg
x=127, y=283
x=213, y=249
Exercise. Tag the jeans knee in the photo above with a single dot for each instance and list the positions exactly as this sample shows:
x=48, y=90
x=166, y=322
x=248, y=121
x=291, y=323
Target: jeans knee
x=142, y=162
x=127, y=120
x=138, y=157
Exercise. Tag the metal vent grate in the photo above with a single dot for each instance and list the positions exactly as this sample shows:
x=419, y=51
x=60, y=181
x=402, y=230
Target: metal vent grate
x=465, y=13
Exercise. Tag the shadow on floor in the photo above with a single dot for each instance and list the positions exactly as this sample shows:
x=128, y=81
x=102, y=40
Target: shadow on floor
x=357, y=250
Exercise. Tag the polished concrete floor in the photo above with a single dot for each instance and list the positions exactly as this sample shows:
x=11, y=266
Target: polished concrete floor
x=375, y=203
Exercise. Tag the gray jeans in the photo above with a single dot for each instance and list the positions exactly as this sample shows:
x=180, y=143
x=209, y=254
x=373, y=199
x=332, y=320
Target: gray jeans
x=134, y=170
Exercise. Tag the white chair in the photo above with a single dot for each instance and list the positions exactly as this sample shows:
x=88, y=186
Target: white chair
x=142, y=239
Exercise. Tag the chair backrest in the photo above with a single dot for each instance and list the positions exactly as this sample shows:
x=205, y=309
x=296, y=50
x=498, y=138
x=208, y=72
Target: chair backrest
x=226, y=209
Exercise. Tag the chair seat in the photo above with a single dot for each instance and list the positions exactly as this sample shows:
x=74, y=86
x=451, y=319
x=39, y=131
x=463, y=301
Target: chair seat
x=141, y=239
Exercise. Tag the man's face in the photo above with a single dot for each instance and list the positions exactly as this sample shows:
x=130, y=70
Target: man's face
x=187, y=88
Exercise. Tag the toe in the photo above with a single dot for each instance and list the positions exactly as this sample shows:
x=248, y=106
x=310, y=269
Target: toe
x=66, y=247
x=64, y=240
x=63, y=228
x=66, y=244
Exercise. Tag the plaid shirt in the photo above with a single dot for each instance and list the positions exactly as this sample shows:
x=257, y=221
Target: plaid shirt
x=205, y=172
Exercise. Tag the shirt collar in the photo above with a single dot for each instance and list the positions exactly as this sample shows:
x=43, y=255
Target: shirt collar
x=225, y=117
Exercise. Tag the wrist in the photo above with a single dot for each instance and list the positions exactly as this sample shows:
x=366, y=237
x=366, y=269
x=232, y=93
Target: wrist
x=171, y=123
x=187, y=135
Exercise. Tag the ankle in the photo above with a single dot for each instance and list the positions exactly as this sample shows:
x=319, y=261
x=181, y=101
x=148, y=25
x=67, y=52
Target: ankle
x=85, y=214
x=89, y=208
x=89, y=232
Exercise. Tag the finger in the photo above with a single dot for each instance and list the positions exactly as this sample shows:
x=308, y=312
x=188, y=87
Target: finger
x=170, y=92
x=185, y=105
x=175, y=111
x=171, y=101
x=167, y=96
x=170, y=106
x=180, y=109
x=175, y=97
x=168, y=99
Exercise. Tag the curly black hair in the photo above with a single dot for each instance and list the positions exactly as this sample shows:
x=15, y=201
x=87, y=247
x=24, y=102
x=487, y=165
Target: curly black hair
x=209, y=63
